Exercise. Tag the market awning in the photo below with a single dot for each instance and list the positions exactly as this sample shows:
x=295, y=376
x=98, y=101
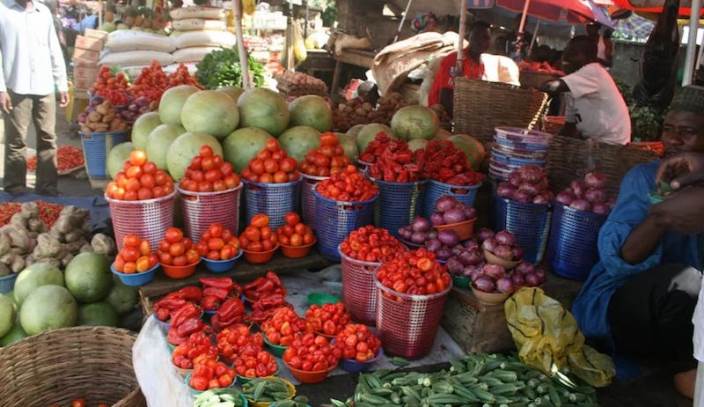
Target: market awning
x=572, y=11
x=652, y=6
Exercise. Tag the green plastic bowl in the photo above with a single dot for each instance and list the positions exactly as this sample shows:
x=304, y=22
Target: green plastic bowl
x=276, y=350
x=460, y=281
x=322, y=298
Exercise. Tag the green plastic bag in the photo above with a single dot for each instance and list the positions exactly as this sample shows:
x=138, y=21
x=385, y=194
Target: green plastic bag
x=548, y=339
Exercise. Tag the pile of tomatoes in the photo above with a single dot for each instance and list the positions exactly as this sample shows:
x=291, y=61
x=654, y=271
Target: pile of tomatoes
x=210, y=374
x=112, y=88
x=312, y=353
x=375, y=148
x=177, y=250
x=197, y=346
x=328, y=319
x=139, y=180
x=150, y=83
x=263, y=364
x=68, y=158
x=218, y=243
x=258, y=236
x=283, y=327
x=181, y=76
x=396, y=163
x=237, y=339
x=348, y=185
x=208, y=172
x=357, y=342
x=327, y=159
x=443, y=161
x=294, y=232
x=371, y=244
x=135, y=256
x=414, y=272
x=271, y=165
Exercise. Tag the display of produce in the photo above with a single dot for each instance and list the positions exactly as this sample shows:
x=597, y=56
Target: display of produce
x=415, y=122
x=311, y=110
x=265, y=307
x=258, y=236
x=150, y=84
x=68, y=159
x=444, y=162
x=230, y=312
x=371, y=244
x=588, y=194
x=392, y=160
x=218, y=243
x=450, y=211
x=217, y=290
x=111, y=87
x=262, y=364
x=102, y=116
x=327, y=159
x=185, y=322
x=501, y=244
x=197, y=347
x=271, y=165
x=139, y=180
x=528, y=184
x=367, y=134
x=312, y=353
x=176, y=249
x=268, y=390
x=327, y=319
x=295, y=233
x=209, y=374
x=136, y=256
x=283, y=327
x=221, y=68
x=165, y=307
x=297, y=141
x=210, y=112
x=414, y=272
x=48, y=212
x=358, y=343
x=418, y=232
x=349, y=185
x=208, y=172
x=357, y=111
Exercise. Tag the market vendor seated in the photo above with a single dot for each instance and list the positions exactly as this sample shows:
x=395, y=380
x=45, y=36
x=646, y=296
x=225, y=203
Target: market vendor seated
x=639, y=299
x=595, y=109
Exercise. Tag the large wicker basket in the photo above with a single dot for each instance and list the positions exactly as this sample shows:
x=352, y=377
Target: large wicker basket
x=481, y=106
x=91, y=363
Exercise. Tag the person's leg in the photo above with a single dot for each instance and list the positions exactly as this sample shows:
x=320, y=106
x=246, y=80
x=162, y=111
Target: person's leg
x=16, y=125
x=45, y=123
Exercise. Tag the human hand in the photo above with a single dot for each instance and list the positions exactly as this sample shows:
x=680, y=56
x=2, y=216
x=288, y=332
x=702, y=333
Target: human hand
x=681, y=170
x=63, y=99
x=5, y=102
x=682, y=211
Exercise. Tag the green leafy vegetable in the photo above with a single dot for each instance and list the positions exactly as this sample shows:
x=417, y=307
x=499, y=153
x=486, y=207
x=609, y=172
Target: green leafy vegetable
x=222, y=68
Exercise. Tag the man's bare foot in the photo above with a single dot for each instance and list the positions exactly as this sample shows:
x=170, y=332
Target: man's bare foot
x=684, y=383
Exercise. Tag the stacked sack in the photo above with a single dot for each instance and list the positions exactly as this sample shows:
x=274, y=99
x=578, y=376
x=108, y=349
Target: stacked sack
x=131, y=48
x=199, y=31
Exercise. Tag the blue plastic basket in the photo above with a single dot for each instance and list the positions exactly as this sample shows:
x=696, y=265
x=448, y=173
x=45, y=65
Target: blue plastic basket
x=398, y=204
x=309, y=183
x=529, y=223
x=274, y=200
x=221, y=266
x=96, y=147
x=572, y=249
x=335, y=220
x=136, y=279
x=436, y=189
x=7, y=283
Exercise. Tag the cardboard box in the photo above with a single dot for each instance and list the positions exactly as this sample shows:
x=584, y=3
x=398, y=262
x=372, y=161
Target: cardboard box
x=88, y=43
x=101, y=35
x=84, y=76
x=85, y=57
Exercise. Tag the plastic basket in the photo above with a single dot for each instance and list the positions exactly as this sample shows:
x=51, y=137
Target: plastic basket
x=399, y=203
x=7, y=283
x=202, y=209
x=529, y=223
x=358, y=289
x=96, y=147
x=274, y=200
x=147, y=219
x=436, y=189
x=335, y=220
x=308, y=199
x=572, y=249
x=407, y=324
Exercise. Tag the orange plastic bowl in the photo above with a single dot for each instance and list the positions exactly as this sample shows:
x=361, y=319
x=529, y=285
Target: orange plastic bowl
x=309, y=377
x=295, y=252
x=260, y=257
x=464, y=229
x=180, y=272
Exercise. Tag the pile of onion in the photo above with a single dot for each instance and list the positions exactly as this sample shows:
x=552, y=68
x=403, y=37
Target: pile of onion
x=444, y=245
x=448, y=211
x=492, y=278
x=528, y=184
x=418, y=231
x=466, y=260
x=421, y=232
x=588, y=194
x=501, y=244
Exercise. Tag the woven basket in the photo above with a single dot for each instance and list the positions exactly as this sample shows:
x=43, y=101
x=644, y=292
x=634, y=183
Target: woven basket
x=481, y=106
x=91, y=363
x=570, y=158
x=535, y=79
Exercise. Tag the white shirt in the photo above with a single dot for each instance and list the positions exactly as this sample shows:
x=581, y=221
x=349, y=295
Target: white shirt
x=597, y=106
x=32, y=61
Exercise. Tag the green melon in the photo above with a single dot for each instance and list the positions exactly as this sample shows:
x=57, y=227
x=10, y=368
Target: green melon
x=472, y=148
x=122, y=298
x=210, y=112
x=159, y=141
x=142, y=127
x=172, y=102
x=413, y=122
x=184, y=148
x=48, y=307
x=349, y=144
x=7, y=314
x=88, y=277
x=243, y=144
x=298, y=140
x=16, y=334
x=232, y=91
x=312, y=111
x=417, y=144
x=97, y=313
x=117, y=157
x=354, y=130
x=264, y=109
x=36, y=275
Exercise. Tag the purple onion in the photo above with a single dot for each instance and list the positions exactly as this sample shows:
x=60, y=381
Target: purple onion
x=472, y=272
x=505, y=190
x=504, y=285
x=529, y=189
x=522, y=197
x=517, y=253
x=515, y=179
x=485, y=233
x=454, y=266
x=405, y=232
x=453, y=215
x=600, y=209
x=490, y=244
x=578, y=188
x=443, y=253
x=469, y=212
x=433, y=245
x=518, y=280
x=471, y=258
x=595, y=195
x=448, y=238
x=504, y=252
x=595, y=179
x=581, y=205
x=445, y=203
x=532, y=280
x=541, y=274
x=418, y=237
x=421, y=224
x=471, y=244
x=436, y=219
x=494, y=271
x=524, y=268
x=485, y=284
x=531, y=173
x=505, y=237
x=565, y=197
x=542, y=198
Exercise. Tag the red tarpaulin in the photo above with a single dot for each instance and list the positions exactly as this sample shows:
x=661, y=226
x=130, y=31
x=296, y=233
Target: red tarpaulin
x=651, y=6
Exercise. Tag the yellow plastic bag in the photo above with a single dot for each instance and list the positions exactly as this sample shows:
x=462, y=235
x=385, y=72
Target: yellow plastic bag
x=249, y=6
x=547, y=338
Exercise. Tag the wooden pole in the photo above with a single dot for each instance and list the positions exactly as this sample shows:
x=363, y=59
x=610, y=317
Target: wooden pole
x=244, y=61
x=462, y=32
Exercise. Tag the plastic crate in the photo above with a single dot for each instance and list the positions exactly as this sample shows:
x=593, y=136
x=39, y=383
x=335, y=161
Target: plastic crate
x=407, y=324
x=7, y=283
x=308, y=199
x=335, y=220
x=572, y=249
x=202, y=209
x=529, y=223
x=274, y=200
x=436, y=189
x=358, y=288
x=398, y=204
x=96, y=147
x=147, y=219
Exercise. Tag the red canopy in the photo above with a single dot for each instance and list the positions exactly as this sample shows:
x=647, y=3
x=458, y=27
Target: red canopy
x=651, y=6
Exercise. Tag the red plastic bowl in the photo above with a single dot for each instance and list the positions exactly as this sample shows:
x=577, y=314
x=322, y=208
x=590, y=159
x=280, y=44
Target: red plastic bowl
x=309, y=377
x=179, y=272
x=295, y=252
x=259, y=257
x=464, y=229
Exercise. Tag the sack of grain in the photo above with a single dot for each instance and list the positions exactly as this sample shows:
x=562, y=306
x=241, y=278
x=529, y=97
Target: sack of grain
x=188, y=39
x=130, y=40
x=192, y=54
x=208, y=13
x=135, y=58
x=198, y=24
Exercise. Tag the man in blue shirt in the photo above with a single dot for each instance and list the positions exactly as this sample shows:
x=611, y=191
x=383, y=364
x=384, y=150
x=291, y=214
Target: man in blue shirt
x=640, y=297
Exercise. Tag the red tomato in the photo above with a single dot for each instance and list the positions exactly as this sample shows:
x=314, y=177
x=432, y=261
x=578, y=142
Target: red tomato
x=271, y=166
x=212, y=175
x=292, y=218
x=130, y=254
x=138, y=158
x=147, y=180
x=131, y=241
x=206, y=151
x=149, y=168
x=180, y=261
x=260, y=220
x=144, y=194
x=161, y=177
x=177, y=249
x=215, y=230
x=173, y=235
x=219, y=185
x=192, y=256
x=205, y=186
x=132, y=185
x=144, y=248
x=207, y=163
x=266, y=178
x=257, y=166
